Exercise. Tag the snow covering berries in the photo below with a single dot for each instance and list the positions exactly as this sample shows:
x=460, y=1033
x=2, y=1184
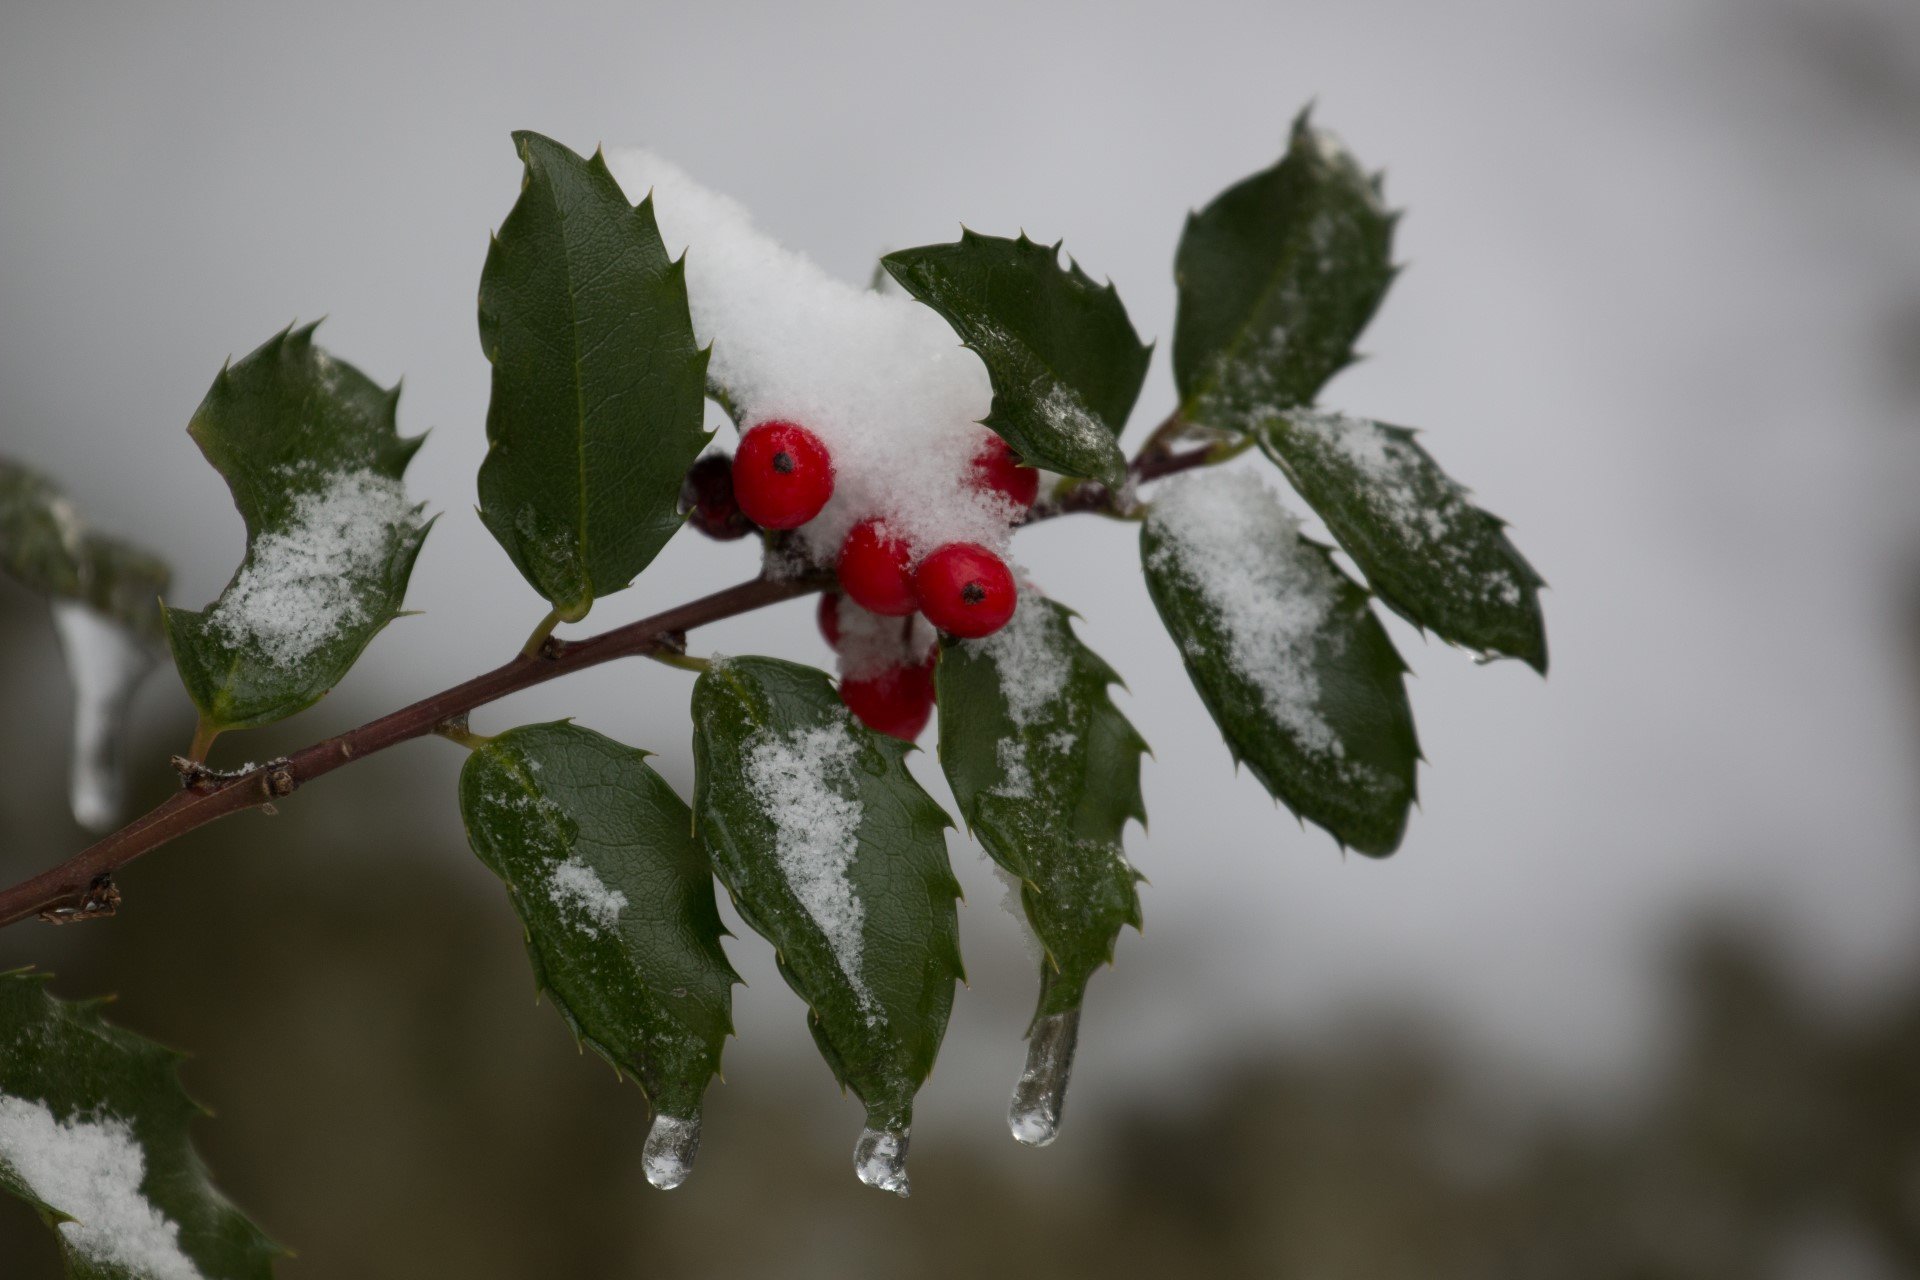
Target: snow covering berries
x=966, y=589
x=891, y=585
x=886, y=665
x=877, y=411
x=782, y=475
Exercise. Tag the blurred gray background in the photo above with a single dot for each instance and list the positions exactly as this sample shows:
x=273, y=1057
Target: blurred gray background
x=1640, y=995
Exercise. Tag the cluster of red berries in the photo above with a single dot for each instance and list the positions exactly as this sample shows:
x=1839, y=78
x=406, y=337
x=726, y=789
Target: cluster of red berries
x=782, y=477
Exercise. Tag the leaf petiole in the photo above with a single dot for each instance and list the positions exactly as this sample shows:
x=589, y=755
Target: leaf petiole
x=538, y=640
x=684, y=661
x=204, y=732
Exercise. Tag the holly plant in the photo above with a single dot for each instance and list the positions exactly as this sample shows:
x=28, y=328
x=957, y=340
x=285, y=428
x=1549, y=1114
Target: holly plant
x=891, y=442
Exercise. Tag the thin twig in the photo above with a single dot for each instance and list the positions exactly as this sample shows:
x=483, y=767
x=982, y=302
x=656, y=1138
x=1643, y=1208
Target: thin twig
x=1157, y=458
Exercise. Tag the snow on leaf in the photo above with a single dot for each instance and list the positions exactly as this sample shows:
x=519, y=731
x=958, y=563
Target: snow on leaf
x=309, y=448
x=94, y=1135
x=835, y=855
x=1298, y=674
x=596, y=852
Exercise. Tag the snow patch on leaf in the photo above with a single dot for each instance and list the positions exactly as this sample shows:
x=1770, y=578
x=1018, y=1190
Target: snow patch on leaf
x=93, y=1171
x=299, y=588
x=803, y=782
x=1270, y=594
x=584, y=897
x=1401, y=489
x=1031, y=657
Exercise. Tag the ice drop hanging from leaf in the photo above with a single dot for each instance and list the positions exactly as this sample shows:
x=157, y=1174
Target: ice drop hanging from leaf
x=1041, y=1092
x=669, y=1151
x=880, y=1158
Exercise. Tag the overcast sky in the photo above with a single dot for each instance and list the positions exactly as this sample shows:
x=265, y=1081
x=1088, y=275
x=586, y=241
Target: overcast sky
x=1662, y=259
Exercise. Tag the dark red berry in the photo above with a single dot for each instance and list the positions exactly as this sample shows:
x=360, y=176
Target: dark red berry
x=706, y=496
x=897, y=701
x=873, y=569
x=966, y=590
x=829, y=616
x=782, y=475
x=997, y=469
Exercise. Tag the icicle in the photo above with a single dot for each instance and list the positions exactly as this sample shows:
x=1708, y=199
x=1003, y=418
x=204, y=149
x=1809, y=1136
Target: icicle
x=880, y=1158
x=105, y=663
x=1034, y=1113
x=671, y=1144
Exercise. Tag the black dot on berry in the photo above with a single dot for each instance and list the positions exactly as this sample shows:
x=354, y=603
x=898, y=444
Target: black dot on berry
x=783, y=462
x=973, y=593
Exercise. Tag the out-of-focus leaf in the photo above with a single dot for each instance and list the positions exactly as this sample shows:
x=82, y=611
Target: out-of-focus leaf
x=93, y=1135
x=46, y=546
x=105, y=596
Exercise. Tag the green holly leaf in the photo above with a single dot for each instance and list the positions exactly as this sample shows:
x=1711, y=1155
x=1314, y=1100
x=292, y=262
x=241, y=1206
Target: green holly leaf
x=1277, y=277
x=308, y=447
x=598, y=856
x=1437, y=559
x=1301, y=678
x=93, y=1135
x=1046, y=772
x=835, y=855
x=48, y=548
x=1065, y=361
x=598, y=386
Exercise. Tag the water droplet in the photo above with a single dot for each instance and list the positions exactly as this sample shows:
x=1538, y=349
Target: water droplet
x=105, y=663
x=1041, y=1092
x=880, y=1158
x=671, y=1144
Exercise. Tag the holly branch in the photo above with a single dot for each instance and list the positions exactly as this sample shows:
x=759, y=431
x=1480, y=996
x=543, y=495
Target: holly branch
x=82, y=887
x=866, y=465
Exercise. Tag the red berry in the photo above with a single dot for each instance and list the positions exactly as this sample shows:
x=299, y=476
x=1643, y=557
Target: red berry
x=966, y=590
x=997, y=469
x=782, y=475
x=897, y=701
x=873, y=569
x=830, y=617
x=706, y=495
